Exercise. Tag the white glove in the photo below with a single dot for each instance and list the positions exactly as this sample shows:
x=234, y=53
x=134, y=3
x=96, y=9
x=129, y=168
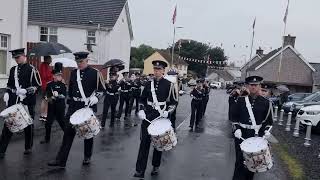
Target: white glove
x=142, y=115
x=55, y=93
x=238, y=134
x=21, y=92
x=267, y=134
x=93, y=100
x=165, y=114
x=6, y=98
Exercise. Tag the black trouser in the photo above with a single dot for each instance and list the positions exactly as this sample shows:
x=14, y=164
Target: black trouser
x=173, y=117
x=204, y=106
x=124, y=98
x=109, y=101
x=28, y=134
x=240, y=171
x=196, y=112
x=56, y=111
x=69, y=134
x=134, y=98
x=145, y=142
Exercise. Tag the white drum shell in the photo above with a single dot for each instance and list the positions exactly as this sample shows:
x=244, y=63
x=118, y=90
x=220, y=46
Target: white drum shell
x=257, y=154
x=16, y=117
x=163, y=137
x=85, y=123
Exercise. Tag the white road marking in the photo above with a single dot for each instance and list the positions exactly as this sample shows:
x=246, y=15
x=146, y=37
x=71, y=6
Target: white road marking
x=183, y=121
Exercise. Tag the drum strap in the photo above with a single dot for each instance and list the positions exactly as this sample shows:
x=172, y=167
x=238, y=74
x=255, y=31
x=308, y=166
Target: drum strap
x=155, y=100
x=81, y=88
x=253, y=119
x=16, y=83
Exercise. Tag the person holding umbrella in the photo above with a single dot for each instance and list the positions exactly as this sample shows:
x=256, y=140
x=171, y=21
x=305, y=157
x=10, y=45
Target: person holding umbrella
x=46, y=76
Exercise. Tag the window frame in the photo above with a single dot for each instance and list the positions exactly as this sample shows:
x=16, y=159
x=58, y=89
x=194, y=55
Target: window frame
x=50, y=32
x=6, y=49
x=90, y=36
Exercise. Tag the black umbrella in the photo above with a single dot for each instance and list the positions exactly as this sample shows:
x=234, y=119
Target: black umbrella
x=47, y=49
x=113, y=62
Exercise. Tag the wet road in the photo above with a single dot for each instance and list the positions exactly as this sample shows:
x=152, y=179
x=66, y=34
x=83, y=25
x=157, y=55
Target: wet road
x=204, y=155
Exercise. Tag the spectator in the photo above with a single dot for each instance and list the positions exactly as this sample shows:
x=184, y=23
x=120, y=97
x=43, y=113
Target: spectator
x=46, y=76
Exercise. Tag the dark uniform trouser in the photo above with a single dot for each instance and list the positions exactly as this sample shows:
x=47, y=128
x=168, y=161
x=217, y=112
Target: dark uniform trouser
x=196, y=112
x=134, y=98
x=205, y=102
x=28, y=134
x=173, y=118
x=145, y=142
x=68, y=137
x=55, y=111
x=124, y=98
x=240, y=171
x=109, y=101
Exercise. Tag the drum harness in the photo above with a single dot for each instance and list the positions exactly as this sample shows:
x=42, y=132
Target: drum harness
x=80, y=87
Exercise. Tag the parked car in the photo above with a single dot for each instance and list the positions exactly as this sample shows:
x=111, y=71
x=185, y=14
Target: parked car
x=313, y=99
x=310, y=114
x=294, y=98
x=192, y=82
x=215, y=85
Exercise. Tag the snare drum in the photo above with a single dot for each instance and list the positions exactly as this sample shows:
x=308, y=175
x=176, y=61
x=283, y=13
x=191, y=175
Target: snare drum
x=162, y=134
x=85, y=123
x=16, y=117
x=257, y=155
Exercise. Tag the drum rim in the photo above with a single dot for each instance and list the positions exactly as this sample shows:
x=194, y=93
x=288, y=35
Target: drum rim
x=159, y=120
x=242, y=145
x=80, y=111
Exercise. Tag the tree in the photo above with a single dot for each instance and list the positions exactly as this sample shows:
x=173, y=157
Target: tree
x=197, y=50
x=139, y=54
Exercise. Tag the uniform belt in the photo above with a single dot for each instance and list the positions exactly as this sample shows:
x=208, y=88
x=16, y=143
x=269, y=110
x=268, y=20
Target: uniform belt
x=124, y=90
x=112, y=94
x=78, y=99
x=153, y=104
x=197, y=98
x=247, y=126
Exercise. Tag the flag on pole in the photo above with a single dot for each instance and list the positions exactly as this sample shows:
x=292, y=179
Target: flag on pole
x=174, y=17
x=286, y=14
x=254, y=24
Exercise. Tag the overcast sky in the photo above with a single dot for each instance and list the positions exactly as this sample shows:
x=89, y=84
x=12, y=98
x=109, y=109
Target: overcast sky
x=229, y=22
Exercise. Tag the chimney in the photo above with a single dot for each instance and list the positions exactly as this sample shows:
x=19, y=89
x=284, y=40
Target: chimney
x=289, y=40
x=259, y=51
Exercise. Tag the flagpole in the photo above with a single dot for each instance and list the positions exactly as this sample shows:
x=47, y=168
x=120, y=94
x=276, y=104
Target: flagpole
x=252, y=39
x=173, y=44
x=283, y=36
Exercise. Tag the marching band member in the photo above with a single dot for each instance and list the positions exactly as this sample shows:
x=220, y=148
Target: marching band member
x=196, y=105
x=125, y=92
x=250, y=124
x=136, y=92
x=24, y=81
x=172, y=76
x=111, y=99
x=206, y=90
x=55, y=94
x=85, y=87
x=157, y=101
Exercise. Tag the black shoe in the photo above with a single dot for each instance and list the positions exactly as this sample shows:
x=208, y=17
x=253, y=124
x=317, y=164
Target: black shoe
x=56, y=163
x=44, y=141
x=191, y=128
x=139, y=175
x=2, y=155
x=27, y=152
x=86, y=161
x=155, y=171
x=111, y=125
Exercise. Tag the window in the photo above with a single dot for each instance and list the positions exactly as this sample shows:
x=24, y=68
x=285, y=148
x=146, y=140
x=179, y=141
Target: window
x=3, y=53
x=49, y=34
x=91, y=37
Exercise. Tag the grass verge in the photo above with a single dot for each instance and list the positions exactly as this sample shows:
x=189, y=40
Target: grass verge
x=293, y=165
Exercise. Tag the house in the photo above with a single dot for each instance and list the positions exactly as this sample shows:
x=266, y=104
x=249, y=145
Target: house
x=295, y=71
x=13, y=30
x=257, y=57
x=316, y=77
x=102, y=27
x=225, y=76
x=178, y=63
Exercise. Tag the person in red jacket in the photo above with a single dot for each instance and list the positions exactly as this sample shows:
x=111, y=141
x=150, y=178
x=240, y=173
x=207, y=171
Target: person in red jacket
x=46, y=76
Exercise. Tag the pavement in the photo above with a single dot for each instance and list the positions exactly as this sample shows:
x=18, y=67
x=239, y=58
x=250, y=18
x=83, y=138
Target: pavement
x=207, y=154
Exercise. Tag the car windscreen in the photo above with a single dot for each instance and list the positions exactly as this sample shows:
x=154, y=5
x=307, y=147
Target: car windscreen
x=310, y=97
